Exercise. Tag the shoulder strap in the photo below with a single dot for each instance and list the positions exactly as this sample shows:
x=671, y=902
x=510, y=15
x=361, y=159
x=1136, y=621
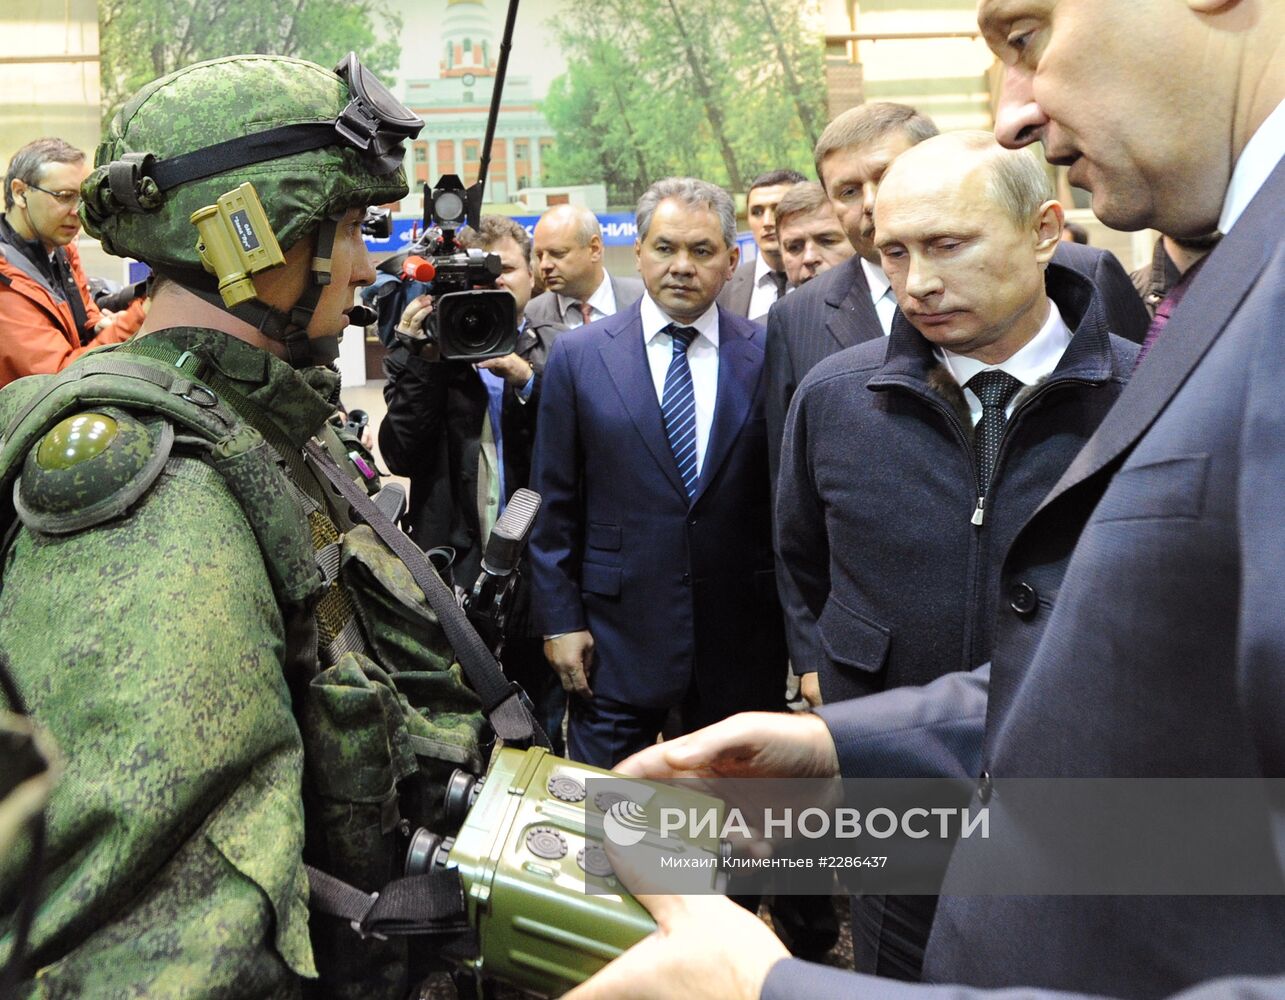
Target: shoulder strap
x=429, y=904
x=72, y=292
x=502, y=700
x=236, y=450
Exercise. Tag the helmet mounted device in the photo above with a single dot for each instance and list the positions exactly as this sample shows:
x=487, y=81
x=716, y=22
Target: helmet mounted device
x=236, y=236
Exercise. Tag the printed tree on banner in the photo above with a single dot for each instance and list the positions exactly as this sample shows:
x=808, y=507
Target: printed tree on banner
x=655, y=87
x=143, y=39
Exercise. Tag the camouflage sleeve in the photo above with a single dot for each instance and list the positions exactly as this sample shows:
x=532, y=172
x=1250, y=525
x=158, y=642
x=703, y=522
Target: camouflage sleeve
x=151, y=648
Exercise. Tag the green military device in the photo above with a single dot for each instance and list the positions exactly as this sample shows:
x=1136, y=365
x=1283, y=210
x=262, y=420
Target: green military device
x=548, y=910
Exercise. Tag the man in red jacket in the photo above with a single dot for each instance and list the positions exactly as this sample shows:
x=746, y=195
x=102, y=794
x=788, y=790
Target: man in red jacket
x=47, y=316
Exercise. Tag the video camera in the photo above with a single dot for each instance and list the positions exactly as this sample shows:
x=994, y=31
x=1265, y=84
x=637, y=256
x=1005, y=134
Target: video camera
x=472, y=320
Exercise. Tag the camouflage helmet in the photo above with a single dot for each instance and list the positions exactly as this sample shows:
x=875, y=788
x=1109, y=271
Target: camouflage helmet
x=313, y=143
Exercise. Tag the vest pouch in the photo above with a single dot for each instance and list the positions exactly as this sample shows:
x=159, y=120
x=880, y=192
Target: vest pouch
x=357, y=750
x=446, y=728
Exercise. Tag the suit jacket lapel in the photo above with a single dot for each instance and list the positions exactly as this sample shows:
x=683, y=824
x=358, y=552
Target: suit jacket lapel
x=738, y=376
x=852, y=318
x=625, y=358
x=1200, y=318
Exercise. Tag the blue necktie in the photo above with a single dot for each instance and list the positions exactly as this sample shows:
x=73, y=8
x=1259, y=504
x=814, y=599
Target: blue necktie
x=678, y=407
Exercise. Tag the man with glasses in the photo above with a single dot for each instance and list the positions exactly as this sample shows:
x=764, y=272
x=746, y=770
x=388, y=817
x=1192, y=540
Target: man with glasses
x=47, y=314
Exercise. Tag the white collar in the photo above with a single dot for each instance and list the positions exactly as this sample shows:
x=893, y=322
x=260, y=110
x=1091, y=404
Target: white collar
x=654, y=320
x=875, y=279
x=1034, y=362
x=1265, y=149
x=761, y=270
x=603, y=298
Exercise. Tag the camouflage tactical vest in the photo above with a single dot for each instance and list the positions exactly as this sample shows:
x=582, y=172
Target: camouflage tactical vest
x=384, y=710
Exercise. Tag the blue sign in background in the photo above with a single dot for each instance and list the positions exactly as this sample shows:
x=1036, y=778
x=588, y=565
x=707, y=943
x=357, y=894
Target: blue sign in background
x=618, y=230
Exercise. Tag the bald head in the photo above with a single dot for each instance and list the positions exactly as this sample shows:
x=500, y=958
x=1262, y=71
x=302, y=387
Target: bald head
x=965, y=229
x=568, y=251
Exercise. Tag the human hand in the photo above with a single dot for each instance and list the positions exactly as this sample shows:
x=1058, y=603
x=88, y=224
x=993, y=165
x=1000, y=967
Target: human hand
x=748, y=745
x=105, y=319
x=703, y=948
x=513, y=368
x=411, y=324
x=571, y=655
x=810, y=688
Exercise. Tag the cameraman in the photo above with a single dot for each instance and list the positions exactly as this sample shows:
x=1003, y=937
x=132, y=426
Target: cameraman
x=462, y=434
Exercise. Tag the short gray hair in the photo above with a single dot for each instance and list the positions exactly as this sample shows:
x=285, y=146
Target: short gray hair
x=868, y=122
x=694, y=193
x=31, y=159
x=1017, y=181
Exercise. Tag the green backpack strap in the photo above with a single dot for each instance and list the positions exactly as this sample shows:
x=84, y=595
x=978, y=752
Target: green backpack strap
x=148, y=386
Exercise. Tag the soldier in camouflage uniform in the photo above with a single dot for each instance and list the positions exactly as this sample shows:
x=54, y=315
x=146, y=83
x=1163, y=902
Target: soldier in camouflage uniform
x=180, y=587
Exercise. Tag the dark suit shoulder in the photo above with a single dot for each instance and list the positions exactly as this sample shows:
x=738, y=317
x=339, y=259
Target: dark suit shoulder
x=739, y=326
x=1079, y=257
x=543, y=309
x=813, y=296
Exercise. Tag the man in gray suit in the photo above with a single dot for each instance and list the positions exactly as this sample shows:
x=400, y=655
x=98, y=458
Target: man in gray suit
x=1143, y=635
x=759, y=282
x=578, y=289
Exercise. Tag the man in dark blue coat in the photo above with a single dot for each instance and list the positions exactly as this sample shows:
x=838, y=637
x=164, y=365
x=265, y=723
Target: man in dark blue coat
x=652, y=558
x=1141, y=634
x=899, y=492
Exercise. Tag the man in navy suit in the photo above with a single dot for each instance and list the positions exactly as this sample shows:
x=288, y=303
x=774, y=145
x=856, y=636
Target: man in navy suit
x=853, y=302
x=651, y=557
x=1143, y=634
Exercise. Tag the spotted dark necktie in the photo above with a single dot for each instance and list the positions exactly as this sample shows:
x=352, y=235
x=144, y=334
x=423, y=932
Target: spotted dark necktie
x=780, y=280
x=678, y=407
x=995, y=389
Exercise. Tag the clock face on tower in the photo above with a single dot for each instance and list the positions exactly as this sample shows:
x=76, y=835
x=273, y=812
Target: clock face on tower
x=468, y=79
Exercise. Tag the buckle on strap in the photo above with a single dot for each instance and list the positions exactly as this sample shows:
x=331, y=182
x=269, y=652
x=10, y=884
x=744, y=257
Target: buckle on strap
x=129, y=184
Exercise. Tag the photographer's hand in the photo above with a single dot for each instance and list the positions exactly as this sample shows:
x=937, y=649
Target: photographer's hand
x=411, y=324
x=571, y=655
x=513, y=368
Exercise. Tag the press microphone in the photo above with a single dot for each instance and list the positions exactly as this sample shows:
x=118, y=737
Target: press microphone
x=416, y=268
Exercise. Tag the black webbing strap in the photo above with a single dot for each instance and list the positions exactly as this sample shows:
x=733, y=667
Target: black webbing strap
x=62, y=266
x=242, y=151
x=418, y=904
x=502, y=700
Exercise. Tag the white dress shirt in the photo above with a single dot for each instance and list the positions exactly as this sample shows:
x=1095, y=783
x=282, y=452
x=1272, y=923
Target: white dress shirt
x=764, y=292
x=1265, y=149
x=1030, y=366
x=702, y=358
x=881, y=294
x=602, y=303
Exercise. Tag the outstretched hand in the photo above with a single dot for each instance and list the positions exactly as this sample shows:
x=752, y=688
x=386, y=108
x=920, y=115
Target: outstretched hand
x=748, y=745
